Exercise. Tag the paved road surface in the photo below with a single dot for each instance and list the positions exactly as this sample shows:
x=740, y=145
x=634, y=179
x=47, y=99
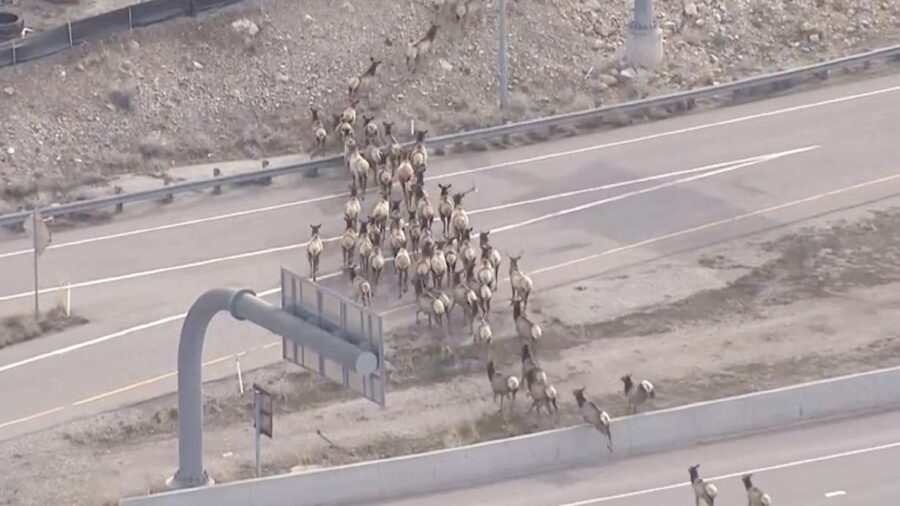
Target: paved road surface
x=716, y=175
x=846, y=463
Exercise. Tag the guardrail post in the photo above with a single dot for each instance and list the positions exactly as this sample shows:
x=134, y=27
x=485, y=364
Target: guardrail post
x=170, y=197
x=217, y=189
x=643, y=43
x=120, y=206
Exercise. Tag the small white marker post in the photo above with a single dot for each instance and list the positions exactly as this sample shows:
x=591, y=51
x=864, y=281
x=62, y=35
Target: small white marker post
x=68, y=300
x=237, y=363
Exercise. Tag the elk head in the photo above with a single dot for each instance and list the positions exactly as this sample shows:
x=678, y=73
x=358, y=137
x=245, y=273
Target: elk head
x=420, y=135
x=388, y=126
x=315, y=229
x=445, y=189
x=367, y=119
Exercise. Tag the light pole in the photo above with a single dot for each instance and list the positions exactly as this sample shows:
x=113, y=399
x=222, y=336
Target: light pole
x=503, y=61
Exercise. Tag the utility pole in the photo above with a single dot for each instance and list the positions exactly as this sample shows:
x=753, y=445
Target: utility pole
x=503, y=61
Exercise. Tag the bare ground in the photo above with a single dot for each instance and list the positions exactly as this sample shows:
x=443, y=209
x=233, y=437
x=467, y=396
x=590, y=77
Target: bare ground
x=796, y=306
x=193, y=90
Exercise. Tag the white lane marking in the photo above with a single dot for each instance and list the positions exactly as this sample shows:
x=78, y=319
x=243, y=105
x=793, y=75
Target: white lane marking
x=775, y=467
x=537, y=271
x=500, y=165
x=563, y=212
x=108, y=337
x=279, y=249
x=836, y=493
x=717, y=223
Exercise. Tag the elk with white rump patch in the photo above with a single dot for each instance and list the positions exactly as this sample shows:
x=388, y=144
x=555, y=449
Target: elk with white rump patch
x=484, y=334
x=429, y=303
x=365, y=245
x=438, y=265
x=465, y=297
x=755, y=496
x=504, y=386
x=404, y=176
x=467, y=254
x=376, y=264
x=519, y=281
x=352, y=207
x=528, y=331
x=592, y=414
x=361, y=287
x=424, y=209
x=355, y=84
x=395, y=150
x=458, y=218
x=359, y=166
x=543, y=394
x=318, y=129
x=402, y=263
x=348, y=242
x=637, y=394
x=314, y=250
x=348, y=115
x=493, y=254
x=380, y=213
x=343, y=129
x=417, y=49
x=419, y=155
x=703, y=491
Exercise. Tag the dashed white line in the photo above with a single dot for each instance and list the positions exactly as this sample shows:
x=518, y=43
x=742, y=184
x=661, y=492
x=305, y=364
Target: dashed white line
x=836, y=493
x=510, y=163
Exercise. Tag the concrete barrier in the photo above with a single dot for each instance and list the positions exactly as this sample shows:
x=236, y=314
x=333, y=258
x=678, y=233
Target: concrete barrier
x=555, y=449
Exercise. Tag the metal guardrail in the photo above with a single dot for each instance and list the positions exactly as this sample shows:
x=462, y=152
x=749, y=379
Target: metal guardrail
x=681, y=100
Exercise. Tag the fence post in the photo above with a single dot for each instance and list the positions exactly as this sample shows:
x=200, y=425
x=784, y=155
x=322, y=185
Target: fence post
x=69, y=26
x=192, y=8
x=130, y=26
x=217, y=189
x=14, y=51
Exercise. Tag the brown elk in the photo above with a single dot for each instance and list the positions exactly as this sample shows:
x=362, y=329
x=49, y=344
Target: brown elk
x=418, y=157
x=520, y=282
x=459, y=219
x=314, y=251
x=355, y=84
x=361, y=286
x=445, y=207
x=419, y=48
x=348, y=241
x=318, y=129
x=395, y=150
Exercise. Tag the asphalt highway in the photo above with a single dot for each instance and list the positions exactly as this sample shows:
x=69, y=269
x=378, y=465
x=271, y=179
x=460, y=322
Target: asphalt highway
x=576, y=207
x=844, y=463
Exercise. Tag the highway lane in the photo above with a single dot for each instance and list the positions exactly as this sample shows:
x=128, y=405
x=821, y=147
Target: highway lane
x=847, y=462
x=123, y=304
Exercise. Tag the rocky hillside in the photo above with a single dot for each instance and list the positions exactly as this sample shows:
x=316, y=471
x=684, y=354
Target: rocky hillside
x=238, y=83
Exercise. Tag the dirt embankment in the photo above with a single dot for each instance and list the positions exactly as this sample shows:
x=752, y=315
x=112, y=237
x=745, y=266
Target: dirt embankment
x=238, y=83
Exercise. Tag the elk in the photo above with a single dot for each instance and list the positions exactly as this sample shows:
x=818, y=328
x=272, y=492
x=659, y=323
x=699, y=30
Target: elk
x=404, y=175
x=365, y=245
x=438, y=265
x=703, y=491
x=401, y=264
x=520, y=282
x=467, y=254
x=486, y=270
x=543, y=394
x=529, y=332
x=459, y=219
x=314, y=250
x=348, y=242
x=318, y=129
x=462, y=9
x=361, y=287
x=395, y=150
x=355, y=84
x=429, y=303
x=528, y=362
x=398, y=238
x=419, y=48
x=376, y=264
x=445, y=207
x=466, y=297
x=494, y=255
x=372, y=154
x=414, y=232
x=348, y=115
x=424, y=209
x=423, y=267
x=384, y=180
x=755, y=496
x=381, y=211
x=484, y=334
x=484, y=298
x=637, y=394
x=359, y=166
x=451, y=254
x=418, y=157
x=592, y=414
x=504, y=386
x=352, y=207
x=370, y=128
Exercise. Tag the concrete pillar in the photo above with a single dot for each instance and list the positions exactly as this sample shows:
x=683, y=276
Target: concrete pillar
x=643, y=44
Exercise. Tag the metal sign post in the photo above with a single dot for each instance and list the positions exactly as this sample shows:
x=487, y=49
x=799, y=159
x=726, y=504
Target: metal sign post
x=262, y=419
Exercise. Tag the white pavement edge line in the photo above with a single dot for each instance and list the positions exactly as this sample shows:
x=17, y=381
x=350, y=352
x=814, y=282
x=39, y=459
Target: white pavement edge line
x=813, y=460
x=279, y=249
x=589, y=205
x=108, y=337
x=500, y=165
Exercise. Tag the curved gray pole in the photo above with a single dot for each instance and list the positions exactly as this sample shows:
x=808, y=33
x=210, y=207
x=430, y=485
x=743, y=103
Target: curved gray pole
x=243, y=304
